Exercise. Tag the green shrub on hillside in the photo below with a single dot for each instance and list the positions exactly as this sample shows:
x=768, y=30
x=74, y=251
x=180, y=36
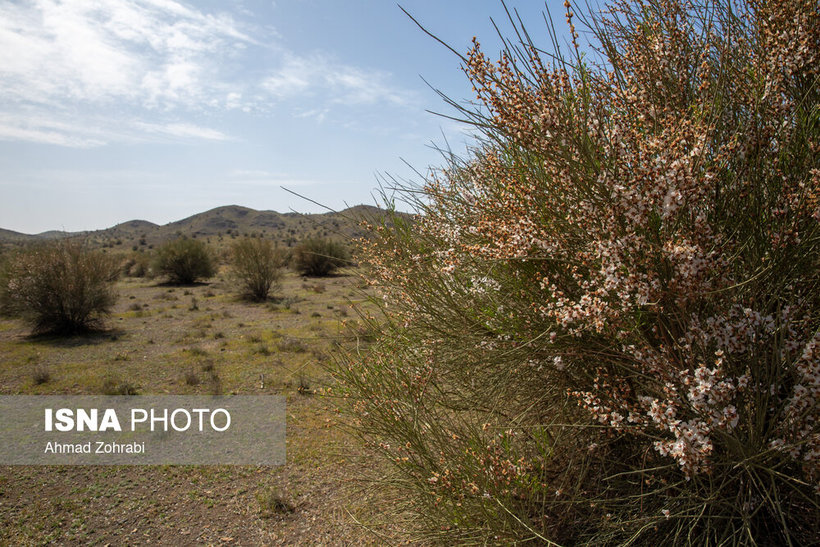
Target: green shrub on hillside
x=60, y=287
x=604, y=326
x=319, y=257
x=184, y=261
x=257, y=264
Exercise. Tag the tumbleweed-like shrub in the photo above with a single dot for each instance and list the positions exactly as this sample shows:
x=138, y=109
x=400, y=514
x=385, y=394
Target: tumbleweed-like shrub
x=602, y=327
x=60, y=287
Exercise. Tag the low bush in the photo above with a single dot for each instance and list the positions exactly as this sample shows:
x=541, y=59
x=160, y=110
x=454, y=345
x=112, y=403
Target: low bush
x=184, y=261
x=257, y=265
x=137, y=265
x=60, y=287
x=319, y=257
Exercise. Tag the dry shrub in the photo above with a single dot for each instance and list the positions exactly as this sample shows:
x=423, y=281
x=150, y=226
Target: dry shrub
x=60, y=287
x=184, y=261
x=603, y=326
x=319, y=257
x=258, y=266
x=137, y=265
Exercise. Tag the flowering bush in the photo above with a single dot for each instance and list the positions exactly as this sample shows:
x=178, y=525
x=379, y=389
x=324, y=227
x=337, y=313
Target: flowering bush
x=602, y=326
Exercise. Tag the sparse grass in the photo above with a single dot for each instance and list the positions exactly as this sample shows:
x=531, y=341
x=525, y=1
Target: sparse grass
x=162, y=352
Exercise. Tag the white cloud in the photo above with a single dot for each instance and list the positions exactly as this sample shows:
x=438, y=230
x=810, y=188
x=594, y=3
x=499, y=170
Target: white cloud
x=84, y=74
x=183, y=130
x=136, y=55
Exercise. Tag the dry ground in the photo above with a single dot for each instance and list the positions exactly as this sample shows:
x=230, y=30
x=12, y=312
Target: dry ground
x=197, y=340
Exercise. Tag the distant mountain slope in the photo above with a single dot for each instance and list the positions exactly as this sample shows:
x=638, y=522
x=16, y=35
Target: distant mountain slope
x=10, y=236
x=220, y=225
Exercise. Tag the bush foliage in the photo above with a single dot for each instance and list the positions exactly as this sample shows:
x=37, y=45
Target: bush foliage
x=319, y=257
x=603, y=326
x=184, y=261
x=60, y=287
x=258, y=265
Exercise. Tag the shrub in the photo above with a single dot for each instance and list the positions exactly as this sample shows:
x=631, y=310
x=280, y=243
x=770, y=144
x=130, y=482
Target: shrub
x=184, y=261
x=60, y=287
x=319, y=257
x=603, y=326
x=257, y=264
x=137, y=265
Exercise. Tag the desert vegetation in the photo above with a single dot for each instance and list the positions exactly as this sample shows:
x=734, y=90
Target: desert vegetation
x=59, y=287
x=602, y=327
x=184, y=261
x=319, y=257
x=257, y=266
x=156, y=342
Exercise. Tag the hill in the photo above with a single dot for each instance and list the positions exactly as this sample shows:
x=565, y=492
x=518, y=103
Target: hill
x=219, y=225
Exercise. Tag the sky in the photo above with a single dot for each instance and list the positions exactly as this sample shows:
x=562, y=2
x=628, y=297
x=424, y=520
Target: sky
x=113, y=110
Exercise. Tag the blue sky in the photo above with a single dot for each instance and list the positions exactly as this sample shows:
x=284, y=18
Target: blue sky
x=158, y=109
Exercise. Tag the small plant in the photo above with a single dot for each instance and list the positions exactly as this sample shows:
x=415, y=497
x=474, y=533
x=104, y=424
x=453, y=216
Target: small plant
x=262, y=349
x=272, y=502
x=41, y=374
x=318, y=288
x=319, y=257
x=191, y=378
x=114, y=386
x=197, y=351
x=214, y=383
x=60, y=287
x=257, y=265
x=291, y=345
x=303, y=386
x=184, y=261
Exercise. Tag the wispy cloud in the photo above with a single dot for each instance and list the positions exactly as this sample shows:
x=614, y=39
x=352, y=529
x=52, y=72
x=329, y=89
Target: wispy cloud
x=183, y=131
x=84, y=74
x=327, y=80
x=142, y=56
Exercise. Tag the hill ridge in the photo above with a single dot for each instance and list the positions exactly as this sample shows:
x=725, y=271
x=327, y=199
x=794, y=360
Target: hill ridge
x=225, y=221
